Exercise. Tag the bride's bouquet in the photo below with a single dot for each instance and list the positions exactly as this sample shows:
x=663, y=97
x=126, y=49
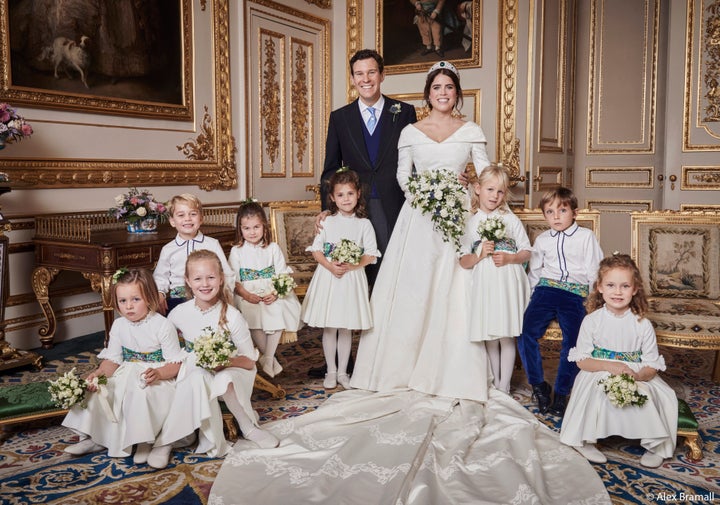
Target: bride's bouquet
x=213, y=348
x=492, y=229
x=283, y=284
x=69, y=389
x=439, y=194
x=346, y=251
x=621, y=390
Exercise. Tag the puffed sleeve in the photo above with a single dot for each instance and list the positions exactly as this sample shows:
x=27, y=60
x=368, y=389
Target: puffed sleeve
x=585, y=343
x=369, y=242
x=169, y=342
x=517, y=232
x=470, y=235
x=278, y=259
x=319, y=240
x=113, y=351
x=650, y=354
x=240, y=335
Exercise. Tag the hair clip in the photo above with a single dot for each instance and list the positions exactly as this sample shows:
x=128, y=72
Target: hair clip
x=342, y=169
x=444, y=64
x=118, y=274
x=248, y=200
x=615, y=253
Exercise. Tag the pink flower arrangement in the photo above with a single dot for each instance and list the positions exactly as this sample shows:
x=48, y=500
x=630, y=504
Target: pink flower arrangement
x=135, y=206
x=13, y=126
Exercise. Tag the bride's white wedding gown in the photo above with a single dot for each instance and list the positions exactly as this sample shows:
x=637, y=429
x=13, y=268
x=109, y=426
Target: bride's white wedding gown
x=425, y=429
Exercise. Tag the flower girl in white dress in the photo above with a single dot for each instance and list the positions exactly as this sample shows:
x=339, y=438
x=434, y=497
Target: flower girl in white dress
x=141, y=361
x=255, y=261
x=500, y=289
x=615, y=339
x=337, y=297
x=209, y=312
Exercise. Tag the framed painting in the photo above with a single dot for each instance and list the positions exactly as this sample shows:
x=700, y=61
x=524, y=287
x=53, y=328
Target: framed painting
x=293, y=228
x=92, y=130
x=411, y=35
x=122, y=58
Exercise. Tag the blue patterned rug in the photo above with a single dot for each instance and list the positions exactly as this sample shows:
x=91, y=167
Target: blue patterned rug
x=34, y=469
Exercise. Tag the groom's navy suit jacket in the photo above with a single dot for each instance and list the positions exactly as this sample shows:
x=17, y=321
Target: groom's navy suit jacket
x=346, y=146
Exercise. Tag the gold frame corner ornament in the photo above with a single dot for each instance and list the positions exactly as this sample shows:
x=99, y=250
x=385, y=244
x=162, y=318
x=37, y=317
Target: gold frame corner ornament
x=216, y=171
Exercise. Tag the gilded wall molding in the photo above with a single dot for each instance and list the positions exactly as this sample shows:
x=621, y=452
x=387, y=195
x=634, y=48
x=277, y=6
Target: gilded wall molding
x=302, y=109
x=704, y=178
x=553, y=80
x=272, y=102
x=613, y=125
x=620, y=206
x=619, y=177
x=353, y=39
x=323, y=4
x=218, y=172
x=507, y=79
x=701, y=111
x=548, y=178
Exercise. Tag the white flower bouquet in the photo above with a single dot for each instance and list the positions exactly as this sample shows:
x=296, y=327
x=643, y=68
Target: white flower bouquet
x=283, y=284
x=622, y=390
x=439, y=194
x=346, y=251
x=69, y=389
x=213, y=348
x=492, y=229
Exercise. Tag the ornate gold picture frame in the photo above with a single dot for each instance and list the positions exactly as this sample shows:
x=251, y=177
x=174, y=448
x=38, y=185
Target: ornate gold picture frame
x=88, y=147
x=135, y=64
x=293, y=228
x=399, y=39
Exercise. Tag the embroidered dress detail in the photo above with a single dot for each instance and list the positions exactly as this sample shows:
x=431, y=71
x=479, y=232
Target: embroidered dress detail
x=209, y=309
x=177, y=292
x=505, y=245
x=146, y=357
x=248, y=274
x=572, y=287
x=629, y=356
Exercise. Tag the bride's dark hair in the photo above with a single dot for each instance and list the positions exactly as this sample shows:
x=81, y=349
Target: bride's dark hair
x=455, y=79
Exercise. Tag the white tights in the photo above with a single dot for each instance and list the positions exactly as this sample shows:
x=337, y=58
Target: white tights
x=502, y=361
x=267, y=343
x=342, y=344
x=246, y=424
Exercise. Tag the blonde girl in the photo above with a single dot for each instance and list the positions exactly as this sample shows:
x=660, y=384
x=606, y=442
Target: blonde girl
x=141, y=361
x=210, y=308
x=615, y=338
x=500, y=287
x=255, y=260
x=337, y=297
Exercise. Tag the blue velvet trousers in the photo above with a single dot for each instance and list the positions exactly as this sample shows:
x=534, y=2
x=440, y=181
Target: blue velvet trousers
x=546, y=304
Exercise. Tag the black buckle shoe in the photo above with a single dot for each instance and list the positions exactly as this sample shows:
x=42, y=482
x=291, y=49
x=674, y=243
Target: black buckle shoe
x=317, y=372
x=559, y=405
x=541, y=394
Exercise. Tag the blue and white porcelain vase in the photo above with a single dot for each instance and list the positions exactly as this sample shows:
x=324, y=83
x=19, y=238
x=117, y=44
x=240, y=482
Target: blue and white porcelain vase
x=147, y=225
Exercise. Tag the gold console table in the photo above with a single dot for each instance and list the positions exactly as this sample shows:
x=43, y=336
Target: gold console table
x=96, y=245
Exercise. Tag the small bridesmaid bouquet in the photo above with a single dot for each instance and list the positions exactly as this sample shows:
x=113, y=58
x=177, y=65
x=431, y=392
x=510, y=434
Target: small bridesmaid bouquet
x=213, y=349
x=346, y=251
x=283, y=284
x=492, y=229
x=621, y=391
x=69, y=390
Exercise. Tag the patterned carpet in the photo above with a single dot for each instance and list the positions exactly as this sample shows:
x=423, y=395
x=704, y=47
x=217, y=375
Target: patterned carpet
x=34, y=469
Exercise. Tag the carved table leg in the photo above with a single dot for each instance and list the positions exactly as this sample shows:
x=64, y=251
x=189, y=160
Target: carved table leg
x=41, y=279
x=102, y=284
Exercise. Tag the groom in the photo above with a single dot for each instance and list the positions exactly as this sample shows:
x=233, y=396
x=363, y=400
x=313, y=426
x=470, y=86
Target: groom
x=363, y=136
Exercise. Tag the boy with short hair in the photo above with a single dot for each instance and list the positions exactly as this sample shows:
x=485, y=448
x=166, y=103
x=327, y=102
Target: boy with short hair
x=186, y=217
x=563, y=267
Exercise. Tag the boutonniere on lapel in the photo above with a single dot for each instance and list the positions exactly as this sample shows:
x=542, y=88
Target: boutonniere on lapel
x=395, y=110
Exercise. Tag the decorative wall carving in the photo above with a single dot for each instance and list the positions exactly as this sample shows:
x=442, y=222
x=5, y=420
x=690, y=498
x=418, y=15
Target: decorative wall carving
x=507, y=78
x=711, y=71
x=700, y=178
x=302, y=99
x=354, y=38
x=619, y=177
x=271, y=102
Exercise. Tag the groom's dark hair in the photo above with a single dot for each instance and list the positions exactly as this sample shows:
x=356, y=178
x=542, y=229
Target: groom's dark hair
x=364, y=54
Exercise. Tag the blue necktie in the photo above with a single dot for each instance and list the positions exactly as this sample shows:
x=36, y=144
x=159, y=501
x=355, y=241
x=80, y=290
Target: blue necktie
x=372, y=120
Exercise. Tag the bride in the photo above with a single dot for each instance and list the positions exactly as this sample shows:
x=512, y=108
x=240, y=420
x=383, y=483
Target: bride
x=423, y=428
